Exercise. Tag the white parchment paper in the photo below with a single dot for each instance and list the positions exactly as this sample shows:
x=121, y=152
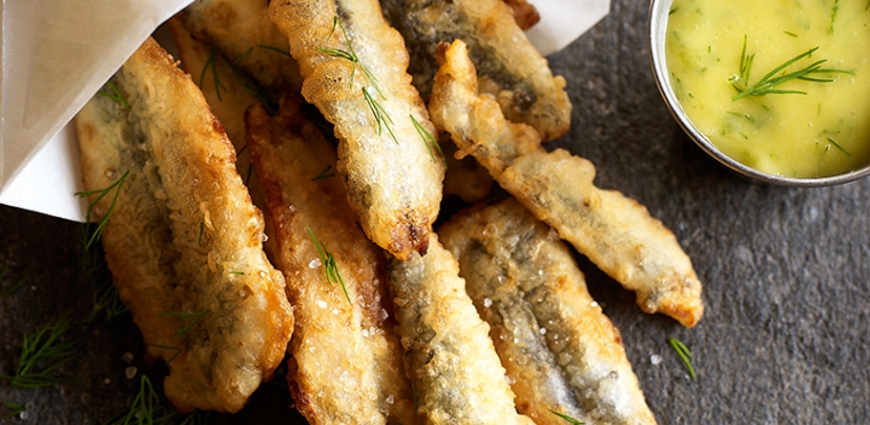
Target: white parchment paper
x=57, y=53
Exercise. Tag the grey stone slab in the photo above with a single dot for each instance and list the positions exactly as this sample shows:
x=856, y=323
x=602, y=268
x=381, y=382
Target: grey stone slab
x=786, y=272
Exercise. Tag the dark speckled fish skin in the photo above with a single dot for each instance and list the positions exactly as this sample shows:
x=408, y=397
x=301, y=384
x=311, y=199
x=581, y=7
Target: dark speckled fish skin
x=509, y=67
x=559, y=349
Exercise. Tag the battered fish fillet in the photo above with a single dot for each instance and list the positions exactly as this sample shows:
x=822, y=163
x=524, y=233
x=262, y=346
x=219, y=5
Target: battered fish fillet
x=183, y=241
x=450, y=359
x=243, y=32
x=465, y=177
x=525, y=15
x=510, y=68
x=355, y=73
x=560, y=350
x=613, y=231
x=347, y=360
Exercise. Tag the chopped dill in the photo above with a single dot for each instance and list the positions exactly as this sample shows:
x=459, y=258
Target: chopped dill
x=103, y=192
x=274, y=49
x=790, y=34
x=684, y=354
x=242, y=150
x=766, y=85
x=43, y=352
x=834, y=15
x=236, y=272
x=674, y=10
x=253, y=89
x=115, y=95
x=349, y=55
x=147, y=408
x=325, y=174
x=197, y=315
x=428, y=140
x=17, y=285
x=218, y=85
x=243, y=56
x=201, y=232
x=381, y=116
x=177, y=351
x=13, y=409
x=837, y=145
x=329, y=265
x=248, y=178
x=566, y=417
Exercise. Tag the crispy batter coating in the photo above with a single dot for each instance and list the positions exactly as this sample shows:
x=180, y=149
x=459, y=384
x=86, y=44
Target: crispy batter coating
x=465, y=177
x=510, y=68
x=524, y=13
x=184, y=241
x=393, y=184
x=457, y=376
x=242, y=31
x=560, y=350
x=613, y=231
x=347, y=360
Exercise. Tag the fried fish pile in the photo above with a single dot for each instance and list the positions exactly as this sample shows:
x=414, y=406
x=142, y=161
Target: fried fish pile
x=324, y=103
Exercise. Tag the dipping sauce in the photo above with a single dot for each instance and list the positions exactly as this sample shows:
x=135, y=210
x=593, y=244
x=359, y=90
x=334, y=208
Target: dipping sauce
x=717, y=50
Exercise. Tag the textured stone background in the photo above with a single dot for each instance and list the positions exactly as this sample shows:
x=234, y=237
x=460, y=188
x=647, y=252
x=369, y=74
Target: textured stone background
x=784, y=338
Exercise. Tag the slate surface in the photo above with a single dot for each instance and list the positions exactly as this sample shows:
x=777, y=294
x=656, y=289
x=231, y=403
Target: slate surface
x=786, y=272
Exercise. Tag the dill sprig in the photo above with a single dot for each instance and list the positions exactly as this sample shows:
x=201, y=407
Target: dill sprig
x=274, y=49
x=13, y=409
x=196, y=315
x=176, y=350
x=837, y=145
x=218, y=85
x=42, y=352
x=767, y=84
x=147, y=408
x=325, y=174
x=684, y=354
x=251, y=87
x=198, y=417
x=243, y=56
x=328, y=260
x=567, y=418
x=98, y=232
x=349, y=55
x=381, y=116
x=105, y=292
x=21, y=282
x=115, y=94
x=201, y=232
x=834, y=15
x=428, y=140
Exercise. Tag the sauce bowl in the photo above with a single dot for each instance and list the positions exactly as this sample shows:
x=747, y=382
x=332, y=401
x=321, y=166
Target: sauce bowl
x=658, y=25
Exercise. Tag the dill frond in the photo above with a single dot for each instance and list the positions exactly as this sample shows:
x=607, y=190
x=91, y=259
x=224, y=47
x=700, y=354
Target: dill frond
x=17, y=285
x=274, y=49
x=13, y=409
x=147, y=408
x=116, y=186
x=115, y=95
x=381, y=116
x=684, y=353
x=567, y=418
x=325, y=174
x=218, y=85
x=330, y=267
x=428, y=140
x=43, y=352
x=196, y=315
x=176, y=350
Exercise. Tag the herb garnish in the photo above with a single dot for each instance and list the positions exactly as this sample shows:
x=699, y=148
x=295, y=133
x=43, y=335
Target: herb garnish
x=9, y=291
x=349, y=55
x=834, y=15
x=684, y=354
x=325, y=174
x=274, y=49
x=218, y=85
x=201, y=232
x=328, y=260
x=243, y=55
x=147, y=408
x=427, y=139
x=768, y=83
x=14, y=409
x=567, y=418
x=115, y=95
x=177, y=351
x=103, y=192
x=43, y=347
x=381, y=116
x=836, y=145
x=197, y=315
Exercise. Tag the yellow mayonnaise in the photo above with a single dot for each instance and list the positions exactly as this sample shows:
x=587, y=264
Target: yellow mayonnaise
x=825, y=131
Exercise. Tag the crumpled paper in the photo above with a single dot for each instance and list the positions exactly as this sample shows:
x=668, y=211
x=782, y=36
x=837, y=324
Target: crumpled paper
x=56, y=54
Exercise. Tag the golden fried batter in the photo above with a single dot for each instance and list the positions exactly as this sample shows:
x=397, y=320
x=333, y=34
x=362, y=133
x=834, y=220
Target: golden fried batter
x=456, y=373
x=243, y=33
x=355, y=73
x=183, y=241
x=524, y=13
x=560, y=351
x=347, y=361
x=615, y=232
x=510, y=68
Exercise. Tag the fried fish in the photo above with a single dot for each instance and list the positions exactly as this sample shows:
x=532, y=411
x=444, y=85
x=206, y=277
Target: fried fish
x=510, y=68
x=346, y=364
x=450, y=359
x=613, y=231
x=182, y=240
x=561, y=352
x=354, y=67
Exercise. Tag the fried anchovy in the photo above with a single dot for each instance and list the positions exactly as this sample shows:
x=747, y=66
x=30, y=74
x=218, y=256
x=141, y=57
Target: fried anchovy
x=613, y=231
x=510, y=68
x=560, y=351
x=184, y=242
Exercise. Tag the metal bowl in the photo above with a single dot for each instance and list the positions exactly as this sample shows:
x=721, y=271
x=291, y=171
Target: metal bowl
x=658, y=23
